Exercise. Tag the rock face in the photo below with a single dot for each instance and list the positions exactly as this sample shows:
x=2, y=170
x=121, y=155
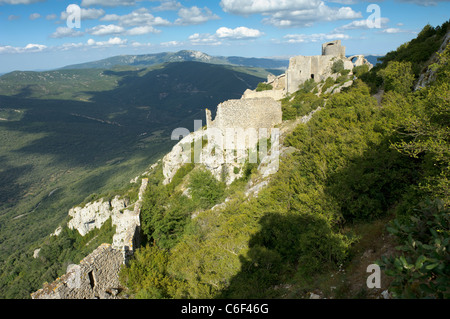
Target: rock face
x=429, y=75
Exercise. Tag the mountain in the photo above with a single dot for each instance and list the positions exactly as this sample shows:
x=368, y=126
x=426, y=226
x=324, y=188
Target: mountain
x=180, y=56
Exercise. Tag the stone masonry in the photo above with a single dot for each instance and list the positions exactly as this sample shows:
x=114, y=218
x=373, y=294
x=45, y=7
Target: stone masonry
x=97, y=275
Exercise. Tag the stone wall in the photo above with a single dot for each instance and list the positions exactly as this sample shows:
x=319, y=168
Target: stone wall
x=96, y=277
x=334, y=48
x=246, y=113
x=302, y=68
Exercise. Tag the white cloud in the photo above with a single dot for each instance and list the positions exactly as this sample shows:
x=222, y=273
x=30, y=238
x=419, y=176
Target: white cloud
x=195, y=15
x=109, y=29
x=31, y=47
x=13, y=17
x=425, y=3
x=51, y=17
x=108, y=3
x=395, y=30
x=224, y=33
x=34, y=16
x=310, y=16
x=171, y=44
x=63, y=32
x=290, y=13
x=168, y=5
x=19, y=1
x=138, y=17
x=110, y=42
x=142, y=30
x=305, y=38
x=86, y=14
x=238, y=33
x=360, y=24
x=245, y=7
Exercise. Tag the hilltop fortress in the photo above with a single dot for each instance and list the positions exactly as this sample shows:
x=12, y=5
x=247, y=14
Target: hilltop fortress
x=256, y=112
x=97, y=275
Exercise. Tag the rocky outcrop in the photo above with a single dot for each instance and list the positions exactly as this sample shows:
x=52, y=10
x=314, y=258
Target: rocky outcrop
x=123, y=215
x=429, y=74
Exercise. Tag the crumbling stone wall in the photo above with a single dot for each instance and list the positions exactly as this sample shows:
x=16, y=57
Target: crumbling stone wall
x=263, y=112
x=96, y=277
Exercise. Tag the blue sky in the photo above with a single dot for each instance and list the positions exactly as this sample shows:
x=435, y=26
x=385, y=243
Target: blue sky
x=34, y=34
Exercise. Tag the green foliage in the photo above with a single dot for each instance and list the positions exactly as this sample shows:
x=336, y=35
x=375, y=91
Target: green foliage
x=263, y=87
x=338, y=66
x=329, y=82
x=23, y=274
x=419, y=50
x=360, y=70
x=206, y=191
x=421, y=271
x=397, y=76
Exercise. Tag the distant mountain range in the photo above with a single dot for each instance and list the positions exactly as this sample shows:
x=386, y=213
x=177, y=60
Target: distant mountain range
x=180, y=56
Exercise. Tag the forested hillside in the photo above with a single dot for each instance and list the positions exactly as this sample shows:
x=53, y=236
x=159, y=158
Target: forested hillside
x=366, y=174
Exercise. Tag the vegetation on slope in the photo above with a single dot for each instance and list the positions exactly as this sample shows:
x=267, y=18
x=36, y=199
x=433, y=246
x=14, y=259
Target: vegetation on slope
x=57, y=150
x=356, y=163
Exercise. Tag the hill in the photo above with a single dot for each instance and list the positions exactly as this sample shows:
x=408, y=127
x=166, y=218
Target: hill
x=180, y=56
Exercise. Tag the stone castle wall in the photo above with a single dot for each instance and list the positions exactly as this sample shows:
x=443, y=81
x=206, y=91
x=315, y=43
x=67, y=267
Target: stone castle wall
x=255, y=113
x=96, y=277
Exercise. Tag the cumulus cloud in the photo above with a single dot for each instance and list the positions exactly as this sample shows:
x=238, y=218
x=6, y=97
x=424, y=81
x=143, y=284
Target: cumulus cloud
x=31, y=47
x=102, y=30
x=316, y=37
x=108, y=3
x=195, y=15
x=246, y=7
x=360, y=24
x=290, y=13
x=86, y=14
x=110, y=42
x=63, y=32
x=425, y=3
x=238, y=33
x=224, y=33
x=138, y=17
x=142, y=30
x=168, y=5
x=19, y=1
x=34, y=16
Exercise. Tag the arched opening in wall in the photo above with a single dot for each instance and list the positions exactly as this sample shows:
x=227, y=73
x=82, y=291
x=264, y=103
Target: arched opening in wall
x=312, y=76
x=91, y=279
x=330, y=44
x=354, y=60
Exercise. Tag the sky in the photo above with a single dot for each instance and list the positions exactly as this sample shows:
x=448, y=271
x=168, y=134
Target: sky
x=47, y=34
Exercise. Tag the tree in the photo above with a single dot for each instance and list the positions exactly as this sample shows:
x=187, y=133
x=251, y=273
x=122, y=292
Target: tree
x=398, y=76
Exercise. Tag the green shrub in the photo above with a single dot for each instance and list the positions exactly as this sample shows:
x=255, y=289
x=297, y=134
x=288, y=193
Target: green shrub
x=205, y=189
x=338, y=66
x=263, y=87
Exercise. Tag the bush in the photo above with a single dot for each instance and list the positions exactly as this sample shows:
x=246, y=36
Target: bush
x=338, y=66
x=206, y=191
x=358, y=71
x=398, y=77
x=263, y=87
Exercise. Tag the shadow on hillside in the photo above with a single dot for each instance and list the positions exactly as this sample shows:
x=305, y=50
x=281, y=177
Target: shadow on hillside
x=287, y=246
